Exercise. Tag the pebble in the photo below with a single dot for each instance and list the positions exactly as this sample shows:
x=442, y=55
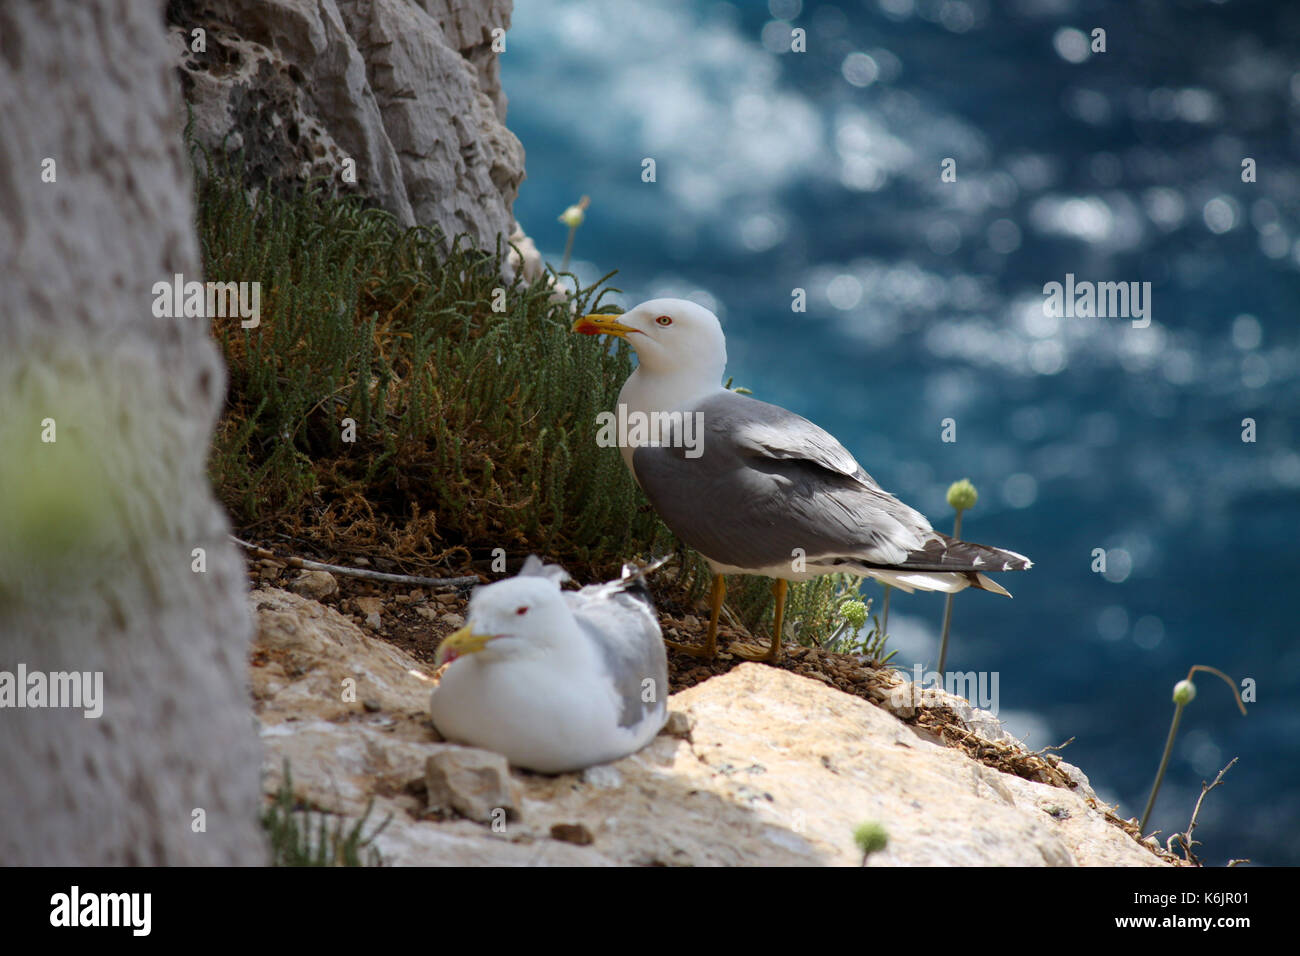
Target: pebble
x=603, y=776
x=316, y=585
x=677, y=725
x=572, y=833
x=475, y=783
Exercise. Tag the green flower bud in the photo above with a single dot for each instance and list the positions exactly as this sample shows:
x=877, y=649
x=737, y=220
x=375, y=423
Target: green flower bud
x=855, y=613
x=573, y=217
x=1184, y=692
x=870, y=837
x=962, y=495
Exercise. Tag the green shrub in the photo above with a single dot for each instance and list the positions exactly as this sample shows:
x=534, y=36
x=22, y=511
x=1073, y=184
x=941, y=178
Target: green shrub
x=474, y=427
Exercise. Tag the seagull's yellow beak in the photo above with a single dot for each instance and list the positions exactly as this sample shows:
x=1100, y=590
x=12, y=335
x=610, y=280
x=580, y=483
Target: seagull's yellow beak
x=602, y=325
x=462, y=642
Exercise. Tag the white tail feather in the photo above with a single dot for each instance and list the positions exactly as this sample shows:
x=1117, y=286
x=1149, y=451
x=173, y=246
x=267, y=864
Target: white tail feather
x=910, y=581
x=945, y=581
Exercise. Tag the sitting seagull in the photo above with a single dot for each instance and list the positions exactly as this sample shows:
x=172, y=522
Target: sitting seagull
x=555, y=680
x=757, y=489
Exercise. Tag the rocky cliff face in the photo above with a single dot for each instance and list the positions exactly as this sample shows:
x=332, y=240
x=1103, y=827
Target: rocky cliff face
x=115, y=566
x=409, y=92
x=758, y=767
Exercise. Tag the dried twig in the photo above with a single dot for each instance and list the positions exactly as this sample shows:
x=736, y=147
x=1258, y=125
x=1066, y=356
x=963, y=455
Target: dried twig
x=1039, y=753
x=729, y=616
x=1185, y=838
x=412, y=579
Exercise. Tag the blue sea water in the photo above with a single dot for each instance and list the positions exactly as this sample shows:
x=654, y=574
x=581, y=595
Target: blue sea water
x=820, y=170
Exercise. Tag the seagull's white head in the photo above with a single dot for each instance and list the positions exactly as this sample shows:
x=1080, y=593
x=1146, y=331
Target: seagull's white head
x=518, y=617
x=672, y=337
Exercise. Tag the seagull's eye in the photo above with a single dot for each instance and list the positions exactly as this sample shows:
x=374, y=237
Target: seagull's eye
x=665, y=320
x=521, y=610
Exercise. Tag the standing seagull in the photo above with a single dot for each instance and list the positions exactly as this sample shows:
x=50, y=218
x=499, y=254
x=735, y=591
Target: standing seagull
x=757, y=489
x=555, y=680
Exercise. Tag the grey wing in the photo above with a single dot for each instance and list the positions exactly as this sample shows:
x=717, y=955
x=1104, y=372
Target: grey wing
x=767, y=482
x=778, y=433
x=624, y=627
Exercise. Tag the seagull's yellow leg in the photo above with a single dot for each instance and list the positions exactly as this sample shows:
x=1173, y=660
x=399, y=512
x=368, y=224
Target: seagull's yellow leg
x=710, y=648
x=773, y=654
